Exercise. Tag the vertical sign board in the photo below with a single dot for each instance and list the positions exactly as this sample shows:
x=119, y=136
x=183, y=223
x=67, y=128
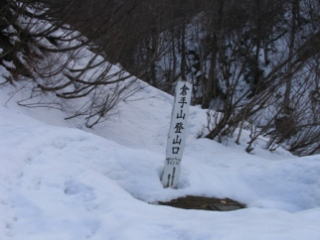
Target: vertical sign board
x=177, y=134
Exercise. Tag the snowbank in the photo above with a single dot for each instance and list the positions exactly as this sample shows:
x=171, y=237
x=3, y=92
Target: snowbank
x=62, y=183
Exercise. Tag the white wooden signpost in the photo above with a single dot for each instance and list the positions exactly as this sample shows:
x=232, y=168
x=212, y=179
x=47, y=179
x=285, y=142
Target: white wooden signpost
x=177, y=134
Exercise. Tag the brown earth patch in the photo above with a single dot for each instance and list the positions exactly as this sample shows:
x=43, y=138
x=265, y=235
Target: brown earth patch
x=204, y=203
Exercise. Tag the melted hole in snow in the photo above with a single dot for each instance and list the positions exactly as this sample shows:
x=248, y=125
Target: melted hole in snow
x=204, y=203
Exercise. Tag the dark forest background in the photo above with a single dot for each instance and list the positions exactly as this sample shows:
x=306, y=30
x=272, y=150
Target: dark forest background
x=254, y=64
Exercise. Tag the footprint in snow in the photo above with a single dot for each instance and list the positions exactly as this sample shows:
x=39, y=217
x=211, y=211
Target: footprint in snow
x=79, y=190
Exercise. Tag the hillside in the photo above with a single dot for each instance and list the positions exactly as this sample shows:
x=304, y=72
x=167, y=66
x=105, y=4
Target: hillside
x=61, y=181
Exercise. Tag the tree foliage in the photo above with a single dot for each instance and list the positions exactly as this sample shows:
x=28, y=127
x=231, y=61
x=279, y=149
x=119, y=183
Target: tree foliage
x=44, y=50
x=254, y=62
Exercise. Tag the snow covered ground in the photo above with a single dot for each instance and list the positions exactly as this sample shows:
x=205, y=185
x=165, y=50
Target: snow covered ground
x=59, y=181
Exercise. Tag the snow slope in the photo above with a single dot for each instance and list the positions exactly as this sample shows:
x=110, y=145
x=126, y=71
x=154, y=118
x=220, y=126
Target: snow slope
x=58, y=182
